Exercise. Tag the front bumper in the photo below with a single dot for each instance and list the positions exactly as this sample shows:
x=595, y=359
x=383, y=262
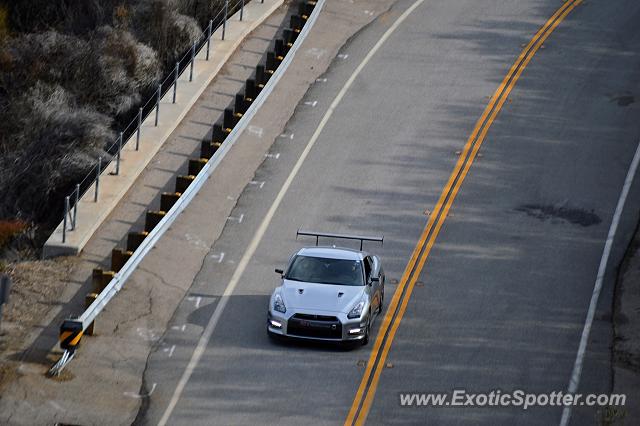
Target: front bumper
x=318, y=325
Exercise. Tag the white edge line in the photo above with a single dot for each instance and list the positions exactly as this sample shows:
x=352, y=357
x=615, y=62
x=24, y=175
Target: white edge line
x=147, y=244
x=213, y=321
x=253, y=245
x=574, y=382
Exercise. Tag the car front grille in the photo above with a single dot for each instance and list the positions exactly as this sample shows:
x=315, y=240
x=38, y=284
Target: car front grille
x=314, y=317
x=315, y=326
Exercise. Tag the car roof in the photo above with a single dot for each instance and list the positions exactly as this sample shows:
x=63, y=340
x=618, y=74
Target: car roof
x=332, y=253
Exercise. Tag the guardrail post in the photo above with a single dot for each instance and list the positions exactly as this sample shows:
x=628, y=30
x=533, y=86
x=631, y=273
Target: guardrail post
x=138, y=131
x=241, y=10
x=118, y=157
x=167, y=200
x=193, y=59
x=209, y=28
x=158, y=102
x=64, y=221
x=75, y=206
x=224, y=21
x=95, y=196
x=88, y=300
x=152, y=218
x=175, y=82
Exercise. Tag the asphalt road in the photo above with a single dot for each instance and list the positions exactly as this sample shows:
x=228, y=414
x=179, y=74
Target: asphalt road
x=502, y=298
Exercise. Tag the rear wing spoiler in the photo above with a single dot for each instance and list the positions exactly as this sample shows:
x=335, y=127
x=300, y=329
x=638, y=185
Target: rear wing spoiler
x=361, y=238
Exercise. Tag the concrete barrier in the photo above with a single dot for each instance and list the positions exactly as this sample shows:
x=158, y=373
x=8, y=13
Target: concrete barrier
x=91, y=213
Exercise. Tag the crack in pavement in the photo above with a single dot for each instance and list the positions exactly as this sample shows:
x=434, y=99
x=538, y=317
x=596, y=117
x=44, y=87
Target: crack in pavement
x=160, y=278
x=139, y=316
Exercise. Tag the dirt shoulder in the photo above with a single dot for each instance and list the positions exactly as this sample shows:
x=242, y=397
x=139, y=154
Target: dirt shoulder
x=626, y=327
x=36, y=287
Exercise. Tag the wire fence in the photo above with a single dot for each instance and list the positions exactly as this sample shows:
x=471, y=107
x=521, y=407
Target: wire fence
x=151, y=106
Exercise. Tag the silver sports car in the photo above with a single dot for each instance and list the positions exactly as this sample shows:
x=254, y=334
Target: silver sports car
x=328, y=293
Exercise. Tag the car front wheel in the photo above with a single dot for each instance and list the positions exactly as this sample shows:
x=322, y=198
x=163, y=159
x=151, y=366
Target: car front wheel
x=367, y=330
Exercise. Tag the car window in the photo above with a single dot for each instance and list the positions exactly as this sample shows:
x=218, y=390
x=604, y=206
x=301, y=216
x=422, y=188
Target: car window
x=367, y=267
x=325, y=271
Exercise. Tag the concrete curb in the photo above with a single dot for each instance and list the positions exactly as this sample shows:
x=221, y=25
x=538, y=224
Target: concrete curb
x=109, y=283
x=112, y=187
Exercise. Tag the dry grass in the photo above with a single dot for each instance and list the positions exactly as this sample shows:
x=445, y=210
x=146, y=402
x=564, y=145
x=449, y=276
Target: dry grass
x=36, y=286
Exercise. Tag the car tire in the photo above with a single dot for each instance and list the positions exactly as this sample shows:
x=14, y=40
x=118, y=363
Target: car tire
x=365, y=339
x=381, y=305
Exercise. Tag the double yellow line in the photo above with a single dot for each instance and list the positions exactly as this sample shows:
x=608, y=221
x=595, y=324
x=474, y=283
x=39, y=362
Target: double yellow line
x=367, y=389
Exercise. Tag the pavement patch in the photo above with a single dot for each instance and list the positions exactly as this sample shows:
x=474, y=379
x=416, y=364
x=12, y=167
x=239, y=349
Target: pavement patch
x=575, y=216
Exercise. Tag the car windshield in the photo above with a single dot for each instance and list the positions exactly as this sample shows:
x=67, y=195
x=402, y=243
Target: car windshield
x=326, y=271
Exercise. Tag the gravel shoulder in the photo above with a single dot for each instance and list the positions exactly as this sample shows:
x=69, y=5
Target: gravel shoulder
x=626, y=344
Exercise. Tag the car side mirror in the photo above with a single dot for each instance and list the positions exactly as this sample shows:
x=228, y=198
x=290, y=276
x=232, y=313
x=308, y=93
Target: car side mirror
x=279, y=271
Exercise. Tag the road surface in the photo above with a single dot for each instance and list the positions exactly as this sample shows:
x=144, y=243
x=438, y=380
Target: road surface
x=500, y=301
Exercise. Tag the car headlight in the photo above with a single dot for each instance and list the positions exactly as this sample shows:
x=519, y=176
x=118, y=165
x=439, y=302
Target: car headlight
x=356, y=311
x=278, y=304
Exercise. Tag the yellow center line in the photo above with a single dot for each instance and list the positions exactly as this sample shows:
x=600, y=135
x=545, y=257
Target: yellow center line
x=377, y=359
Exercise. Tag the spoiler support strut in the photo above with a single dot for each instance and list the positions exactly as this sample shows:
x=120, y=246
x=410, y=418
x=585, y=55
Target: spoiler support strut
x=361, y=238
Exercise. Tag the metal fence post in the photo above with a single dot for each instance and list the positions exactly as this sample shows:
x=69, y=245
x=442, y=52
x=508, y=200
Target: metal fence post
x=64, y=221
x=95, y=196
x=138, y=131
x=224, y=21
x=193, y=59
x=118, y=157
x=209, y=36
x=158, y=102
x=75, y=206
x=175, y=82
x=241, y=10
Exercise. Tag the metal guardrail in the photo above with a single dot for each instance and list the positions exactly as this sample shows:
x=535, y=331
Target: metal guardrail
x=70, y=218
x=80, y=324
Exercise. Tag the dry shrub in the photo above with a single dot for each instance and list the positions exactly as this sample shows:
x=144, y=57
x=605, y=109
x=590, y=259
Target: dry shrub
x=121, y=17
x=201, y=10
x=107, y=72
x=58, y=145
x=69, y=70
x=4, y=23
x=72, y=17
x=165, y=29
x=117, y=71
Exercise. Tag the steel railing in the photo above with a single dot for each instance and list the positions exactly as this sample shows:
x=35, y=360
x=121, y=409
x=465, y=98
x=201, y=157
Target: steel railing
x=113, y=287
x=92, y=178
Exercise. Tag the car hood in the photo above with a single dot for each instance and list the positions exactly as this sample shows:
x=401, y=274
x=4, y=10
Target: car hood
x=321, y=297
